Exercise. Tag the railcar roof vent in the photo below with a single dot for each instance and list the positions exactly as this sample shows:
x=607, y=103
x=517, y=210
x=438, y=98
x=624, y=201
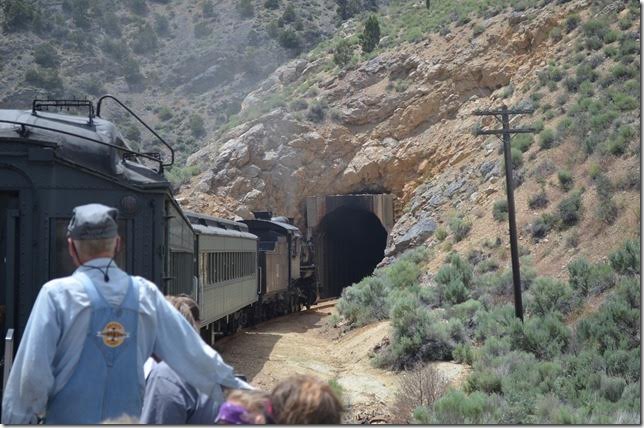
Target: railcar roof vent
x=263, y=215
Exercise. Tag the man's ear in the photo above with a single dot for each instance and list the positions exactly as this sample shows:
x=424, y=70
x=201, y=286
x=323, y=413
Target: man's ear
x=72, y=252
x=117, y=247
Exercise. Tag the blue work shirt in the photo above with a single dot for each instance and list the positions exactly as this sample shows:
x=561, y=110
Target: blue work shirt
x=169, y=400
x=57, y=327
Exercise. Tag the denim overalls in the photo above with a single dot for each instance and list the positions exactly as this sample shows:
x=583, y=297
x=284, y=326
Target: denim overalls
x=105, y=383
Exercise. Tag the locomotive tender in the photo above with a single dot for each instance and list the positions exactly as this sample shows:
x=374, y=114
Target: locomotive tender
x=238, y=272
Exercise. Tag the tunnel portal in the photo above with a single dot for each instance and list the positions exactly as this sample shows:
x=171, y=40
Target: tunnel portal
x=350, y=236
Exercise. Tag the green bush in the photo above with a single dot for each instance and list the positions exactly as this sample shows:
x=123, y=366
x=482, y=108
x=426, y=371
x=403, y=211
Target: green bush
x=517, y=158
x=146, y=40
x=459, y=227
x=365, y=301
x=500, y=210
x=585, y=278
x=626, y=260
x=45, y=78
x=196, y=125
x=370, y=37
x=46, y=55
x=455, y=407
x=272, y=4
x=570, y=210
x=316, y=112
x=245, y=8
x=546, y=138
x=541, y=226
x=538, y=200
x=342, y=52
x=440, y=234
x=522, y=142
x=546, y=337
x=572, y=22
x=289, y=39
x=549, y=295
x=565, y=180
x=164, y=113
x=463, y=353
x=624, y=102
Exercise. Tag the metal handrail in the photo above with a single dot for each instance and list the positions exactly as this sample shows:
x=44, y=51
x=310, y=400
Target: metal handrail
x=98, y=114
x=23, y=132
x=8, y=358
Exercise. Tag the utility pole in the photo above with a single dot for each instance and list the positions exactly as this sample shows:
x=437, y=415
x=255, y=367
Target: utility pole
x=503, y=115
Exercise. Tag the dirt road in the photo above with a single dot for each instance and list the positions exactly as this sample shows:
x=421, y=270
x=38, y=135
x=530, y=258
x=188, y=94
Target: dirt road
x=304, y=343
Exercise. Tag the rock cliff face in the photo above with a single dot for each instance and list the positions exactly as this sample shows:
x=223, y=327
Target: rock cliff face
x=378, y=140
x=399, y=123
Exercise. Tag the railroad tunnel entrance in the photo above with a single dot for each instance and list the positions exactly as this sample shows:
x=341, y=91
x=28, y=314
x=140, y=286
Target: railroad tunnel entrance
x=350, y=235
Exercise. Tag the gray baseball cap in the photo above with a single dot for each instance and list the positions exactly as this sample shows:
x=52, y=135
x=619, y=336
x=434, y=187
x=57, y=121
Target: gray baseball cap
x=93, y=221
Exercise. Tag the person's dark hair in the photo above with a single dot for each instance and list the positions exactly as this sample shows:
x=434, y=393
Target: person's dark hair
x=303, y=399
x=194, y=308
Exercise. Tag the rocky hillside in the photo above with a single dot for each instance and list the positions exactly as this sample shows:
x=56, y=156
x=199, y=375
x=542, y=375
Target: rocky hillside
x=400, y=120
x=186, y=65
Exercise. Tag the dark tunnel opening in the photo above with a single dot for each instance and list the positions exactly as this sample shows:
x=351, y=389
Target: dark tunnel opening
x=350, y=243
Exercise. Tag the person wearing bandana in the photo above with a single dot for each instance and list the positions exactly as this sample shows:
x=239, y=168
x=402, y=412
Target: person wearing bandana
x=80, y=360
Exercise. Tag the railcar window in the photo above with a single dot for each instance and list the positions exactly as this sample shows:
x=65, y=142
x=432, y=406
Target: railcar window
x=61, y=263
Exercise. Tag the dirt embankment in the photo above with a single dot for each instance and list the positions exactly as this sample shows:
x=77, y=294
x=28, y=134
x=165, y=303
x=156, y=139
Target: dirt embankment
x=304, y=343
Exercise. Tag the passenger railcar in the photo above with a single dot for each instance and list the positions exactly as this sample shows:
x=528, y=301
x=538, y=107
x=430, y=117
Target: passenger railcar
x=226, y=263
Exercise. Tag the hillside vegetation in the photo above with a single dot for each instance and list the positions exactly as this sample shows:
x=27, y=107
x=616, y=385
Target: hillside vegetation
x=398, y=118
x=185, y=65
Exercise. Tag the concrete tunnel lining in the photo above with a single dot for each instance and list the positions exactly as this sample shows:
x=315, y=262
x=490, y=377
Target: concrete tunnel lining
x=350, y=238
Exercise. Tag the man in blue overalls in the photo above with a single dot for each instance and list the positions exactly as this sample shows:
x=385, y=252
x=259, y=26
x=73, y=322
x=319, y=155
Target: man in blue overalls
x=81, y=357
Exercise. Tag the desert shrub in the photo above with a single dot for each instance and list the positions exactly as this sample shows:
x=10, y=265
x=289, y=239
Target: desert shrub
x=342, y=52
x=522, y=142
x=316, y=112
x=612, y=388
x=500, y=210
x=626, y=260
x=440, y=234
x=624, y=102
x=565, y=180
x=146, y=40
x=484, y=381
x=538, y=200
x=365, y=301
x=421, y=386
x=245, y=8
x=456, y=269
x=46, y=78
x=132, y=71
x=164, y=113
x=478, y=30
x=517, y=158
x=488, y=265
x=455, y=407
x=459, y=227
x=196, y=125
x=569, y=210
x=298, y=105
x=542, y=225
x=616, y=324
x=546, y=138
x=495, y=322
x=46, y=55
x=418, y=334
x=463, y=353
x=370, y=37
x=585, y=278
x=289, y=39
x=272, y=4
x=202, y=30
x=549, y=295
x=556, y=34
x=546, y=337
x=572, y=22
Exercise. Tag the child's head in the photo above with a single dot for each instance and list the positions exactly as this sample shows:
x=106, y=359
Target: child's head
x=303, y=399
x=245, y=407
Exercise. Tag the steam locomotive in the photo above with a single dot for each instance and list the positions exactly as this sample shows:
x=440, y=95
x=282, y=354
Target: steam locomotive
x=238, y=272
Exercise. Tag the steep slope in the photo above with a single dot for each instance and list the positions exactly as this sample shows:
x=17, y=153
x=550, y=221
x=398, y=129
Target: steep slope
x=185, y=65
x=401, y=122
